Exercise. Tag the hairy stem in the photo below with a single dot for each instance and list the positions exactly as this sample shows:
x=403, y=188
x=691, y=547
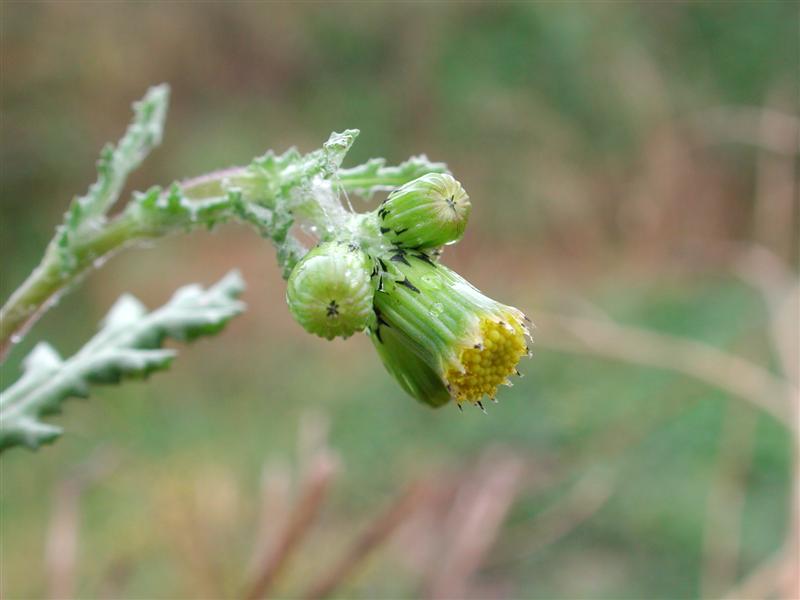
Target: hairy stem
x=206, y=194
x=50, y=279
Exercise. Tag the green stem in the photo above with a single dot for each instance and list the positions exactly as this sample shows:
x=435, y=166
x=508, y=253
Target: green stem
x=50, y=279
x=95, y=245
x=44, y=285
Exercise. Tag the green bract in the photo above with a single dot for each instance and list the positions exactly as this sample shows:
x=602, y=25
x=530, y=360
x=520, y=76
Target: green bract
x=330, y=290
x=413, y=374
x=428, y=212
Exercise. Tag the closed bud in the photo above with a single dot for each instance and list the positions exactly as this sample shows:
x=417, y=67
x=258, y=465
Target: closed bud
x=329, y=292
x=425, y=213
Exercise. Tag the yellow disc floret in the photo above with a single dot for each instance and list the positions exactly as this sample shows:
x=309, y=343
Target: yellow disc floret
x=489, y=362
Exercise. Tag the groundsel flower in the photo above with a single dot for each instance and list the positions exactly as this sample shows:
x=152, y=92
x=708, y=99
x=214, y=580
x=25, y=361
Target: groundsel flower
x=436, y=334
x=471, y=343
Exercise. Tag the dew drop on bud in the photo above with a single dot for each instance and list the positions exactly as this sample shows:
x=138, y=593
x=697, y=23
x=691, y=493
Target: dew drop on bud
x=436, y=309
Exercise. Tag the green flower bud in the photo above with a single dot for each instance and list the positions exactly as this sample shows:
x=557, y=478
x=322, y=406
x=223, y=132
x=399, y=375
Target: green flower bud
x=471, y=342
x=425, y=213
x=330, y=291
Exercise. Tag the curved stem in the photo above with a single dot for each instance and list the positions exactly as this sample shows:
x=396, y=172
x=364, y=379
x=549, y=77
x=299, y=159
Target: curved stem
x=209, y=184
x=49, y=279
x=96, y=244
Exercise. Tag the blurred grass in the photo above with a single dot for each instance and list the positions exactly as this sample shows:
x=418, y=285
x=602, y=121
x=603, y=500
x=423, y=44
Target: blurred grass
x=183, y=437
x=568, y=125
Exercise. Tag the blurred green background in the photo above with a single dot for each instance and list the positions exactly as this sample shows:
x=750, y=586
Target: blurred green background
x=616, y=155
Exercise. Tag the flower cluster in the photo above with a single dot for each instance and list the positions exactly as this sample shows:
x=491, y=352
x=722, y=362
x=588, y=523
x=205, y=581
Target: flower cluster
x=437, y=335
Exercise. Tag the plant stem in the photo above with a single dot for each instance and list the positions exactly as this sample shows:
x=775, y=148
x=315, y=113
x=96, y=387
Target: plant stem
x=44, y=285
x=50, y=279
x=96, y=244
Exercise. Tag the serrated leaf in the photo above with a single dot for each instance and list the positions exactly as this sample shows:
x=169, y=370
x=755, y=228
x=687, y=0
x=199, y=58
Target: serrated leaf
x=113, y=167
x=374, y=176
x=116, y=163
x=42, y=359
x=127, y=345
x=126, y=310
x=335, y=149
x=157, y=212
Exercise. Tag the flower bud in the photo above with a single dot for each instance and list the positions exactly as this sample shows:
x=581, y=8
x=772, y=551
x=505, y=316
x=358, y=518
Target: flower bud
x=471, y=342
x=427, y=212
x=329, y=292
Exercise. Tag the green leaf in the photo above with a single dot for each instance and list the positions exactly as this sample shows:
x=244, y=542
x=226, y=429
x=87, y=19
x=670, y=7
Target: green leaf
x=278, y=182
x=113, y=167
x=157, y=212
x=127, y=345
x=335, y=149
x=374, y=176
x=116, y=163
x=269, y=176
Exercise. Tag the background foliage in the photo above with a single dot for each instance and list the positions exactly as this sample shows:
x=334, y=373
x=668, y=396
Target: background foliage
x=613, y=154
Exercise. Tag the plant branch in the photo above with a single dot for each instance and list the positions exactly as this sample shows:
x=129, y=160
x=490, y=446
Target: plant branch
x=267, y=194
x=50, y=279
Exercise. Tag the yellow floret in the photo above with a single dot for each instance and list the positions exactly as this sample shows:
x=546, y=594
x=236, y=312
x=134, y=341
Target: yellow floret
x=487, y=364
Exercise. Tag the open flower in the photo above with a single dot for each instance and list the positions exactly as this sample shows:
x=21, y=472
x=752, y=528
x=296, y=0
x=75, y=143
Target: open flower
x=471, y=343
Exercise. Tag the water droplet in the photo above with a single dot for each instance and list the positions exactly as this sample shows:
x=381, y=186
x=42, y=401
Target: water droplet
x=432, y=282
x=436, y=309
